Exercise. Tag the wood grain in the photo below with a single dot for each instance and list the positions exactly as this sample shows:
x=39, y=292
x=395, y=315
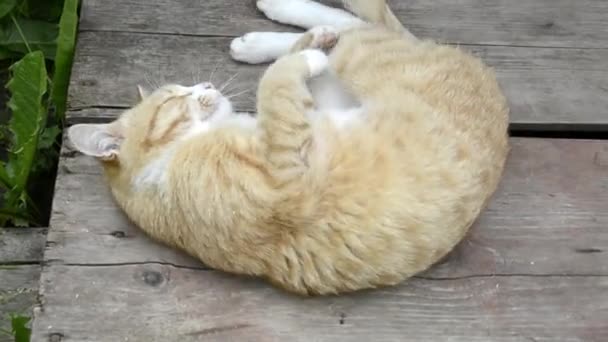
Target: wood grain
x=545, y=86
x=21, y=245
x=533, y=268
x=549, y=217
x=547, y=23
x=18, y=291
x=163, y=303
x=20, y=254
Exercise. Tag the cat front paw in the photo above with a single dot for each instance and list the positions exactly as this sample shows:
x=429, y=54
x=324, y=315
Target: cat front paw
x=317, y=61
x=252, y=48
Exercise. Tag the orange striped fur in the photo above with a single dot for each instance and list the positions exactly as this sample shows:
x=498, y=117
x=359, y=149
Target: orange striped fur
x=307, y=205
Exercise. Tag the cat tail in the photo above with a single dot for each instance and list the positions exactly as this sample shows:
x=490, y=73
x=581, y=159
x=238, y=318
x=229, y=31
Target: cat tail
x=377, y=12
x=283, y=103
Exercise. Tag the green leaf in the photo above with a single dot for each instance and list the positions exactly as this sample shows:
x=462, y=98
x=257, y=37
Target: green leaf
x=48, y=10
x=48, y=137
x=39, y=35
x=6, y=6
x=20, y=330
x=16, y=215
x=46, y=153
x=65, y=54
x=27, y=86
x=5, y=180
x=6, y=53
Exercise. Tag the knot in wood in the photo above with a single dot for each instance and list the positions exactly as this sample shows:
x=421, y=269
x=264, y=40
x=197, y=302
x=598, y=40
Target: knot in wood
x=118, y=234
x=153, y=278
x=88, y=83
x=55, y=337
x=549, y=24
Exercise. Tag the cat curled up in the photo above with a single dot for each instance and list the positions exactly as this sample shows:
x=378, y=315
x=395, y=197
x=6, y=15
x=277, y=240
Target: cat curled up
x=371, y=154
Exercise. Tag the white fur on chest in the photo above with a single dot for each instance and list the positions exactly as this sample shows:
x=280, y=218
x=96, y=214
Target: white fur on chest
x=155, y=172
x=333, y=100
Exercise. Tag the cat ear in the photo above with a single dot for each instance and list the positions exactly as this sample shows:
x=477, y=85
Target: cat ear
x=97, y=140
x=142, y=92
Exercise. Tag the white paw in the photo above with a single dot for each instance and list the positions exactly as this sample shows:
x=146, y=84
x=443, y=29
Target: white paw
x=255, y=48
x=307, y=14
x=292, y=12
x=275, y=9
x=324, y=37
x=317, y=61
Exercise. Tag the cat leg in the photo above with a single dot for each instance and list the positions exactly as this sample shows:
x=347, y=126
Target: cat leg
x=329, y=93
x=284, y=102
x=377, y=12
x=262, y=47
x=307, y=14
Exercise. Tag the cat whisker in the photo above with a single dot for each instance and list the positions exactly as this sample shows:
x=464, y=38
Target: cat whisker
x=162, y=79
x=231, y=88
x=217, y=65
x=232, y=91
x=227, y=83
x=158, y=79
x=150, y=81
x=147, y=79
x=238, y=94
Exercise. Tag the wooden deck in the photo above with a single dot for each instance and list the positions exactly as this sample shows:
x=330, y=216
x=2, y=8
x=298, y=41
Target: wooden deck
x=534, y=268
x=20, y=256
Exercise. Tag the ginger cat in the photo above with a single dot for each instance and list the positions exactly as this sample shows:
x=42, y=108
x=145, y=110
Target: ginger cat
x=362, y=168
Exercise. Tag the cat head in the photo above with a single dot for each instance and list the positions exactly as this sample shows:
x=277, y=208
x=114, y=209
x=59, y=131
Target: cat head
x=161, y=118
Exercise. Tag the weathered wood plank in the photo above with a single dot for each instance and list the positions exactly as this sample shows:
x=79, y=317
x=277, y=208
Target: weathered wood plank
x=549, y=217
x=20, y=249
x=21, y=245
x=548, y=23
x=163, y=303
x=545, y=86
x=18, y=291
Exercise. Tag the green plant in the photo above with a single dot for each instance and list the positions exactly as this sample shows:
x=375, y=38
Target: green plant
x=37, y=37
x=63, y=58
x=27, y=86
x=19, y=329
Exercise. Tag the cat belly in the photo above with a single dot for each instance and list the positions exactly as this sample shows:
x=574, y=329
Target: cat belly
x=334, y=101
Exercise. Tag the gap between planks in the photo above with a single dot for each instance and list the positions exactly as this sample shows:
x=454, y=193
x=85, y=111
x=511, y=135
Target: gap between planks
x=544, y=87
x=543, y=23
x=159, y=303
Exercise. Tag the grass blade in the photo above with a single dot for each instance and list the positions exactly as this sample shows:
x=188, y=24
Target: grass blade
x=66, y=42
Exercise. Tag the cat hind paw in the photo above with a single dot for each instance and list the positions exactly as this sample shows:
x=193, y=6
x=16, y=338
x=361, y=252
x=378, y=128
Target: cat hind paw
x=277, y=10
x=324, y=37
